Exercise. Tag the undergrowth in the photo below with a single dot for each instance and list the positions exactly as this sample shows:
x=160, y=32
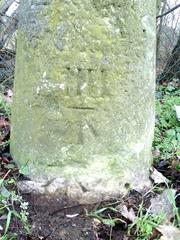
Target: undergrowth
x=167, y=130
x=13, y=209
x=145, y=223
x=12, y=220
x=5, y=108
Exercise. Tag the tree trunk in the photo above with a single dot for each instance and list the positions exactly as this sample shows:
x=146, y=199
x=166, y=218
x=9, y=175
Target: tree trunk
x=83, y=111
x=159, y=29
x=8, y=24
x=172, y=68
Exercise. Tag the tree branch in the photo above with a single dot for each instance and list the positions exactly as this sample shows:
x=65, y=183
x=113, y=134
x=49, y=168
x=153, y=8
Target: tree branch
x=169, y=11
x=5, y=5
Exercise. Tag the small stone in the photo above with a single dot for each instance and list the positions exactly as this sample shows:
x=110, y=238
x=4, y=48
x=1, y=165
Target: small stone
x=177, y=108
x=169, y=232
x=31, y=187
x=163, y=204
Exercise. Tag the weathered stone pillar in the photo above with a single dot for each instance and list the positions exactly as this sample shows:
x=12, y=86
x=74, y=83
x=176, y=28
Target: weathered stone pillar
x=83, y=111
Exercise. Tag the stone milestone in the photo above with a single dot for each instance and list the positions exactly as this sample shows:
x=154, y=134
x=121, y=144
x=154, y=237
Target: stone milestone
x=83, y=111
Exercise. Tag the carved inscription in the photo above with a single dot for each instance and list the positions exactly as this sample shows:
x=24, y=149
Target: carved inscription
x=76, y=98
x=91, y=83
x=87, y=82
x=79, y=82
x=82, y=129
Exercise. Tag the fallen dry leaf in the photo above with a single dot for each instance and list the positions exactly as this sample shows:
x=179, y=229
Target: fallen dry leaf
x=157, y=177
x=128, y=214
x=8, y=96
x=72, y=215
x=4, y=128
x=156, y=153
x=169, y=232
x=3, y=122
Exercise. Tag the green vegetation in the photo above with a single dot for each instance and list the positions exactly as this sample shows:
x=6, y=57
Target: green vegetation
x=9, y=202
x=167, y=130
x=100, y=215
x=13, y=209
x=5, y=109
x=5, y=113
x=176, y=211
x=145, y=223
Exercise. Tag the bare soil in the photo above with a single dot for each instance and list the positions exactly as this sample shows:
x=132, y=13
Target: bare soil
x=59, y=219
x=56, y=219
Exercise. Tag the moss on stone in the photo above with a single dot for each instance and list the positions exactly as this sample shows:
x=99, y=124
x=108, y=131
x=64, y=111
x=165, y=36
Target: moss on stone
x=84, y=90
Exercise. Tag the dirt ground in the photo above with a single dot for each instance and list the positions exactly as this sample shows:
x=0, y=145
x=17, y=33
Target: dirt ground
x=58, y=219
x=61, y=219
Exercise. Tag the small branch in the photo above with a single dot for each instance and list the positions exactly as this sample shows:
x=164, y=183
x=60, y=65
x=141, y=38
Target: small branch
x=5, y=5
x=169, y=11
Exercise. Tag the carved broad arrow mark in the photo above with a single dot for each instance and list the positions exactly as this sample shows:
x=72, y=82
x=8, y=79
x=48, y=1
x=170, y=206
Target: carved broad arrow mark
x=90, y=84
x=83, y=125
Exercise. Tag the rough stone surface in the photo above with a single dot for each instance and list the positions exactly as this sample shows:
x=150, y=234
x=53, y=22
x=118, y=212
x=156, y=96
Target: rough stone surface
x=162, y=205
x=84, y=92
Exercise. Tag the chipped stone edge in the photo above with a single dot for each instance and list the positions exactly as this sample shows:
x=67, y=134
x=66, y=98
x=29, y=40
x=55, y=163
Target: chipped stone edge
x=75, y=191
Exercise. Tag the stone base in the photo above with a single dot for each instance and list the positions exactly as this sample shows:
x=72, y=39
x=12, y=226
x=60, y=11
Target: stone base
x=79, y=192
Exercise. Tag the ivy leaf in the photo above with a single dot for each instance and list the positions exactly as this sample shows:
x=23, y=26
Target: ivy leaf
x=24, y=170
x=4, y=192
